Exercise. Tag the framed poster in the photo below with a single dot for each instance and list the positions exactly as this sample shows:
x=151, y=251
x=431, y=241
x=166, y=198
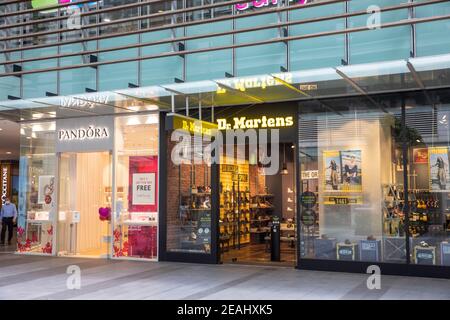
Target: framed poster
x=144, y=189
x=332, y=169
x=351, y=170
x=46, y=189
x=438, y=166
x=420, y=155
x=343, y=170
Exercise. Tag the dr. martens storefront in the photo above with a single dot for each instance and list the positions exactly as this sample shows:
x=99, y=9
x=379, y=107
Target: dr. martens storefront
x=336, y=184
x=359, y=182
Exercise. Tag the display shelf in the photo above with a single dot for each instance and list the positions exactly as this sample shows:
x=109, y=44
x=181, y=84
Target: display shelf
x=234, y=205
x=34, y=221
x=140, y=223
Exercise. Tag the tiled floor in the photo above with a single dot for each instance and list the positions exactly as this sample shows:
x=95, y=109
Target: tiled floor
x=33, y=277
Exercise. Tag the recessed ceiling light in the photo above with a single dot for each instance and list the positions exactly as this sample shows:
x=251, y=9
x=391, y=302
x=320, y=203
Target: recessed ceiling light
x=1, y=129
x=8, y=152
x=107, y=20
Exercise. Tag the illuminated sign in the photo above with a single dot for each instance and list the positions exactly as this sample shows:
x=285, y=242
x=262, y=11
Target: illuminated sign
x=82, y=133
x=263, y=122
x=309, y=87
x=262, y=3
x=84, y=101
x=41, y=4
x=5, y=183
x=262, y=82
x=191, y=125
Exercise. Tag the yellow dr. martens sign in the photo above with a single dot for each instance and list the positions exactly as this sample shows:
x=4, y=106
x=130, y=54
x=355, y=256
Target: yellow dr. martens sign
x=255, y=123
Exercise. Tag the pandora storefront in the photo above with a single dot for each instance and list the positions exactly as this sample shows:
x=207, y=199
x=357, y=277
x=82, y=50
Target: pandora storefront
x=89, y=187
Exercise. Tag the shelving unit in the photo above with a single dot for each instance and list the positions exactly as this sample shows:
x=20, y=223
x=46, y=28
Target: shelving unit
x=193, y=207
x=235, y=205
x=261, y=214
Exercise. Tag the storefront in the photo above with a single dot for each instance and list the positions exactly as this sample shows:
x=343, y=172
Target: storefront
x=371, y=175
x=333, y=184
x=89, y=187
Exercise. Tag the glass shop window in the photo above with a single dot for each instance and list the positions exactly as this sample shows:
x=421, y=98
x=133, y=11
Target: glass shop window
x=136, y=196
x=351, y=195
x=428, y=135
x=188, y=195
x=37, y=188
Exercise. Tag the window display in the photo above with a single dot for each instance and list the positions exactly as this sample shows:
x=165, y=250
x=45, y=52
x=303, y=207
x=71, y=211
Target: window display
x=37, y=205
x=189, y=194
x=428, y=183
x=354, y=152
x=135, y=232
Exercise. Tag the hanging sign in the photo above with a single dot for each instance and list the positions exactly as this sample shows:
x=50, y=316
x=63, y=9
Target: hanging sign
x=310, y=174
x=5, y=182
x=194, y=126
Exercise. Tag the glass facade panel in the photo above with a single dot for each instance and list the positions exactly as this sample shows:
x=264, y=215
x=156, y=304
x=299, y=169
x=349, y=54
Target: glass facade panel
x=161, y=70
x=316, y=52
x=432, y=38
x=378, y=44
x=263, y=58
x=38, y=84
x=348, y=208
x=209, y=65
x=74, y=81
x=119, y=75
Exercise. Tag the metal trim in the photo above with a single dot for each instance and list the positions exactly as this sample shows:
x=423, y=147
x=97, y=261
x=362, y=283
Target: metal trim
x=241, y=45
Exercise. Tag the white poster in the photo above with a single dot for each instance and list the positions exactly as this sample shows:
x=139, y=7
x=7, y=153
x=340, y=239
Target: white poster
x=144, y=189
x=46, y=189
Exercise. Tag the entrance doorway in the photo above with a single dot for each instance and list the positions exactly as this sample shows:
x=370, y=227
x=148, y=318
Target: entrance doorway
x=252, y=201
x=85, y=199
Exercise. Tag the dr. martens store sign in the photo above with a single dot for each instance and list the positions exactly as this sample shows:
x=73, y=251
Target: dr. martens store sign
x=263, y=122
x=281, y=116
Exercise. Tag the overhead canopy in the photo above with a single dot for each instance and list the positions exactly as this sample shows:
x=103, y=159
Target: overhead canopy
x=425, y=73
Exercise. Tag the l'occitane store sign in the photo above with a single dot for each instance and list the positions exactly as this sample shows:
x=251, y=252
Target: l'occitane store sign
x=255, y=123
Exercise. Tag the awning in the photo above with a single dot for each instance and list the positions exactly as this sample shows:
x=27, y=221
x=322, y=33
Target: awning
x=425, y=73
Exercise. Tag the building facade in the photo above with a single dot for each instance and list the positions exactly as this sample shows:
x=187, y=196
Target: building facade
x=357, y=92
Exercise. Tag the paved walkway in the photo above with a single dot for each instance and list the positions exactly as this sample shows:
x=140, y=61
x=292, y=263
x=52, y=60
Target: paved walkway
x=32, y=277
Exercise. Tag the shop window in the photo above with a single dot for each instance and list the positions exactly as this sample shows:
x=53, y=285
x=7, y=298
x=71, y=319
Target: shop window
x=429, y=183
x=351, y=205
x=136, y=196
x=189, y=195
x=37, y=189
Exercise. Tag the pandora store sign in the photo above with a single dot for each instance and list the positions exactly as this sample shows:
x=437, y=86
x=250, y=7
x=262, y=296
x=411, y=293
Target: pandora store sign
x=90, y=132
x=85, y=134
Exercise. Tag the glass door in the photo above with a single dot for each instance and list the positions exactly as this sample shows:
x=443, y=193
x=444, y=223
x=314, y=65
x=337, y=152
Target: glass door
x=85, y=197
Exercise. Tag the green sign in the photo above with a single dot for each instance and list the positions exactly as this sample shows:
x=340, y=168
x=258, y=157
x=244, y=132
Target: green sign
x=38, y=4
